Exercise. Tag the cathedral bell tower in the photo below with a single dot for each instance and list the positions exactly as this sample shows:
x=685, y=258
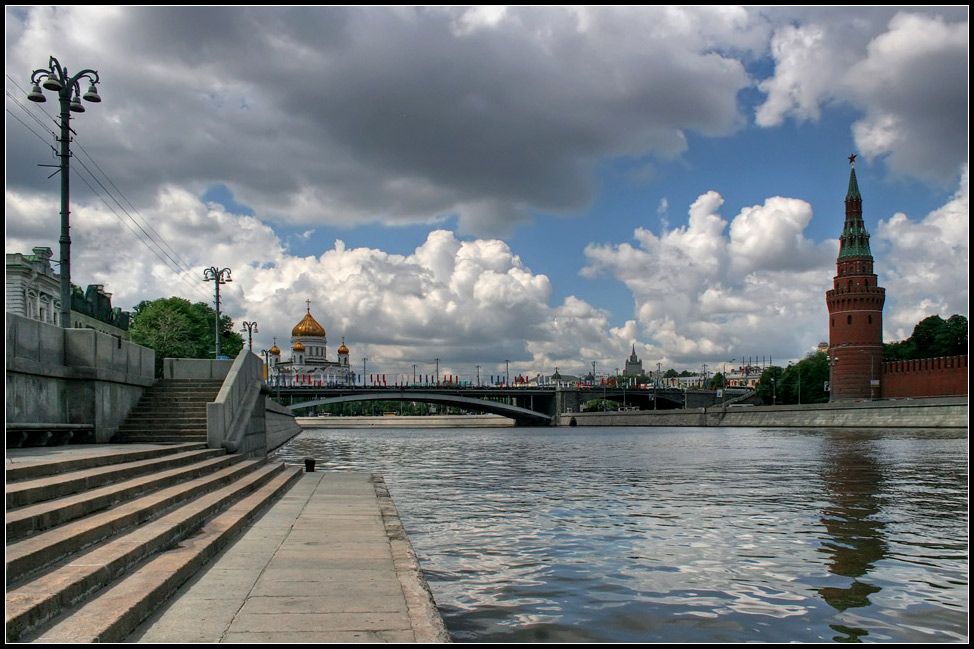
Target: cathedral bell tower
x=855, y=305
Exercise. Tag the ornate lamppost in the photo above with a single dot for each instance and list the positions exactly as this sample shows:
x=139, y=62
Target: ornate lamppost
x=57, y=79
x=217, y=276
x=251, y=329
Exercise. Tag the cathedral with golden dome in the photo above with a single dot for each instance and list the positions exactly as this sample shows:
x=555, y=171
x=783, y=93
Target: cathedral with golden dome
x=309, y=362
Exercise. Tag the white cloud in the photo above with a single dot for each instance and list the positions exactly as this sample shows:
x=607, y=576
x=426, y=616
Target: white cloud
x=702, y=296
x=384, y=115
x=919, y=64
x=925, y=265
x=908, y=76
x=466, y=302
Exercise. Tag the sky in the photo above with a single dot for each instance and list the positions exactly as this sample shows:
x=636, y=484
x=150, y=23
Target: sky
x=544, y=187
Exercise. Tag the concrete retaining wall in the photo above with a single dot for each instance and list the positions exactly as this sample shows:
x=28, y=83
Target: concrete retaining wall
x=195, y=368
x=72, y=376
x=917, y=413
x=281, y=424
x=236, y=419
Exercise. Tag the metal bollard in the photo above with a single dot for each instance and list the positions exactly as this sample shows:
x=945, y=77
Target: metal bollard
x=309, y=465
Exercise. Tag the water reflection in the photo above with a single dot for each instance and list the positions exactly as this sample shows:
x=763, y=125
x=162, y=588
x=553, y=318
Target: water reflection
x=684, y=535
x=853, y=478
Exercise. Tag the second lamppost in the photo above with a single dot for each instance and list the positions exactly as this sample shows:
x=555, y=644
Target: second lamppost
x=218, y=276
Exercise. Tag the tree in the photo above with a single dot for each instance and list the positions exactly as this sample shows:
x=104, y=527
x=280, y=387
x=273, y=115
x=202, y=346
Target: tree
x=803, y=382
x=932, y=337
x=176, y=328
x=767, y=386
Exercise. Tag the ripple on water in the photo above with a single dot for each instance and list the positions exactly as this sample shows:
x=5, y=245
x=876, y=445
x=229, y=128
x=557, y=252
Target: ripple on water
x=681, y=535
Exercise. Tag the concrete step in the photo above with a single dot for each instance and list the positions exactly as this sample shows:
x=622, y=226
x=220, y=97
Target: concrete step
x=28, y=492
x=37, y=518
x=161, y=437
x=28, y=555
x=78, y=580
x=116, y=612
x=131, y=426
x=30, y=470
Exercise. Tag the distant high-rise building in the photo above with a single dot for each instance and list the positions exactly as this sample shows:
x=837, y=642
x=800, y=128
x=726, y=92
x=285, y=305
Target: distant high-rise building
x=855, y=304
x=634, y=366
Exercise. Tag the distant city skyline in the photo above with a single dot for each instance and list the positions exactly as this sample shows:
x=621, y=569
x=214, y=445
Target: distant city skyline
x=544, y=186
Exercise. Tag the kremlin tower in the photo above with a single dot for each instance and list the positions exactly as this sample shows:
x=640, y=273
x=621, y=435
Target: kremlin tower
x=855, y=305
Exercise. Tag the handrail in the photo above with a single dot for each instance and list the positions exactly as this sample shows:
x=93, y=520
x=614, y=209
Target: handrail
x=235, y=420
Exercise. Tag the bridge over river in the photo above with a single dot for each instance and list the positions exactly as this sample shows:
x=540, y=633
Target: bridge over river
x=527, y=405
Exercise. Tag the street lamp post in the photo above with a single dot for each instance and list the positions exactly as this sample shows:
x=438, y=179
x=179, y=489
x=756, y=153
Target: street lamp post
x=57, y=79
x=251, y=329
x=723, y=399
x=833, y=361
x=217, y=276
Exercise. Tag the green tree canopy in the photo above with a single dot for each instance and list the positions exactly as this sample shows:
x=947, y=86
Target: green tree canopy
x=932, y=337
x=803, y=382
x=176, y=328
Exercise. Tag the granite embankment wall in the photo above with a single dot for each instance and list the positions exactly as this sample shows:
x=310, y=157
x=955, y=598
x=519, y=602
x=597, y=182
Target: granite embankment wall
x=947, y=412
x=77, y=381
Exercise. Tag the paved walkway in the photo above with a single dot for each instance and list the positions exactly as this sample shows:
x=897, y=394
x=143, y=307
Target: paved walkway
x=329, y=562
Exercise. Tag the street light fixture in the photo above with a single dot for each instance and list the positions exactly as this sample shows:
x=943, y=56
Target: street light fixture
x=217, y=276
x=56, y=79
x=251, y=329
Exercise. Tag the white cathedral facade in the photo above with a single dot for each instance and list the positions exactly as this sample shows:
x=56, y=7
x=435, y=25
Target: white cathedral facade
x=309, y=364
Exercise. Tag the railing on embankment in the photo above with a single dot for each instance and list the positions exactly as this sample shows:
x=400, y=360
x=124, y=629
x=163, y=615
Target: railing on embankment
x=947, y=412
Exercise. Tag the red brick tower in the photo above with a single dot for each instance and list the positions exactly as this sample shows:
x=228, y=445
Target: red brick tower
x=855, y=308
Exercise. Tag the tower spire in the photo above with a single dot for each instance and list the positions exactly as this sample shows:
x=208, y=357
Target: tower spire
x=854, y=241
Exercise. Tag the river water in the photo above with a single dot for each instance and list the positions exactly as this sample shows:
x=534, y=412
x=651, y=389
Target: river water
x=678, y=534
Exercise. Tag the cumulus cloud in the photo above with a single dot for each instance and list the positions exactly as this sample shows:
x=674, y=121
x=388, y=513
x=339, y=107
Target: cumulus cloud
x=465, y=302
x=907, y=73
x=345, y=116
x=902, y=76
x=703, y=289
x=925, y=264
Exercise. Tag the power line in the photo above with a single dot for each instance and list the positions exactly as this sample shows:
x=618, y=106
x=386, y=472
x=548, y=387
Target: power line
x=173, y=264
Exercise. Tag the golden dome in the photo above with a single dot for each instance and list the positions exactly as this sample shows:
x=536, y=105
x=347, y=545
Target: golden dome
x=343, y=349
x=275, y=350
x=298, y=347
x=308, y=327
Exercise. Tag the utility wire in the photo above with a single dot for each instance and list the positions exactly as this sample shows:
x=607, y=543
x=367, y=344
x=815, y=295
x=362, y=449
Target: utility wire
x=174, y=265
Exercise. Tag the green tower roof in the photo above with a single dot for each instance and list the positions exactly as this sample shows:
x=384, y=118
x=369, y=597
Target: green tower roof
x=854, y=241
x=853, y=191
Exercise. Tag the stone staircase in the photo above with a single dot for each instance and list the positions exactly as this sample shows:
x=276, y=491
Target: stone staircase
x=173, y=410
x=95, y=542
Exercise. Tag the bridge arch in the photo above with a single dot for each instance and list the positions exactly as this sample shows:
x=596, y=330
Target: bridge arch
x=522, y=416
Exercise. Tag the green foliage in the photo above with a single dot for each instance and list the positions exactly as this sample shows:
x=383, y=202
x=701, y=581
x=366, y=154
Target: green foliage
x=176, y=328
x=716, y=381
x=932, y=337
x=670, y=374
x=803, y=382
x=767, y=386
x=602, y=405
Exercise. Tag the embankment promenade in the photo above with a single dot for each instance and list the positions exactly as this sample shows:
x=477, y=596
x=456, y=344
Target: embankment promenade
x=944, y=412
x=407, y=421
